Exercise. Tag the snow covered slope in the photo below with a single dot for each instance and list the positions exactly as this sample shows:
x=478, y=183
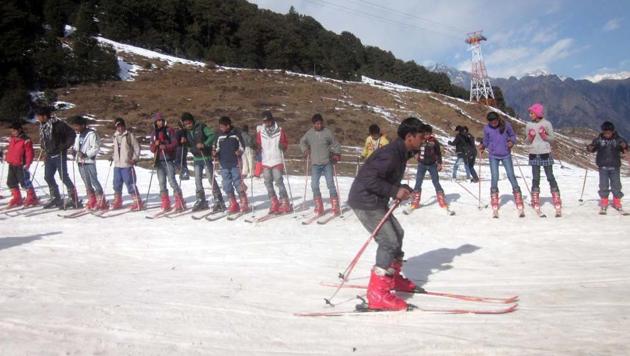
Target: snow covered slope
x=132, y=286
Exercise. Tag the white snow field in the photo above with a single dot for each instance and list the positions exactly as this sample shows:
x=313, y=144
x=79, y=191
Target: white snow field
x=132, y=286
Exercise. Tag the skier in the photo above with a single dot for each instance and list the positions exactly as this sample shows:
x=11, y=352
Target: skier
x=378, y=180
x=374, y=141
x=499, y=138
x=199, y=139
x=163, y=145
x=273, y=142
x=126, y=154
x=319, y=143
x=228, y=149
x=181, y=153
x=56, y=137
x=609, y=147
x=539, y=137
x=461, y=150
x=471, y=154
x=86, y=146
x=248, y=154
x=429, y=159
x=19, y=156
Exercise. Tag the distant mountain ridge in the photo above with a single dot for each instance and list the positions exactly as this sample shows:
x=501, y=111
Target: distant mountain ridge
x=568, y=102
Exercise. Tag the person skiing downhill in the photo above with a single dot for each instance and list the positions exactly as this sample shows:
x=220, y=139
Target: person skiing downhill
x=56, y=137
x=499, y=138
x=272, y=141
x=126, y=154
x=199, y=138
x=163, y=145
x=19, y=156
x=378, y=181
x=320, y=144
x=228, y=149
x=86, y=146
x=609, y=147
x=429, y=159
x=539, y=137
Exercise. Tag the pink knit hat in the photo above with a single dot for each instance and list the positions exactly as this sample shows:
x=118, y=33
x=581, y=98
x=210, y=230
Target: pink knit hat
x=538, y=110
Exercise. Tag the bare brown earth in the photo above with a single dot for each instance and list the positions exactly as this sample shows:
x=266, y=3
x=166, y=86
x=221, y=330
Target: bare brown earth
x=348, y=107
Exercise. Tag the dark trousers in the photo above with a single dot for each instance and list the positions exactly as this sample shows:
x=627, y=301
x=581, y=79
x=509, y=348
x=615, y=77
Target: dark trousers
x=51, y=166
x=553, y=185
x=19, y=176
x=471, y=168
x=389, y=238
x=610, y=180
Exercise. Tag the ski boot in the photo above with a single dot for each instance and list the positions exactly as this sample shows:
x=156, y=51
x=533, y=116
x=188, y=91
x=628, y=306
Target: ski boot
x=31, y=198
x=285, y=206
x=180, y=203
x=166, y=202
x=200, y=203
x=234, y=207
x=557, y=202
x=55, y=200
x=441, y=199
x=117, y=203
x=72, y=202
x=535, y=199
x=334, y=205
x=16, y=198
x=91, y=203
x=101, y=202
x=137, y=204
x=379, y=292
x=415, y=200
x=275, y=206
x=244, y=204
x=603, y=205
x=494, y=202
x=319, y=206
x=518, y=200
x=401, y=283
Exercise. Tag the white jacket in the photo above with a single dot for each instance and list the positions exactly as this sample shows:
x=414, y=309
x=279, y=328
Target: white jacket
x=89, y=144
x=126, y=147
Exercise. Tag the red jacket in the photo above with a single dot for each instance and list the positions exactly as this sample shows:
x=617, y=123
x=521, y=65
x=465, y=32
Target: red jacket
x=20, y=151
x=167, y=137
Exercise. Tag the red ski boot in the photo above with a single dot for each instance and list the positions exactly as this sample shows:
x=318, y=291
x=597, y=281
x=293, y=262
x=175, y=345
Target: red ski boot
x=334, y=204
x=91, y=203
x=180, y=203
x=379, y=292
x=536, y=199
x=31, y=198
x=244, y=204
x=441, y=199
x=494, y=202
x=415, y=200
x=166, y=202
x=557, y=203
x=234, y=207
x=117, y=203
x=16, y=198
x=319, y=206
x=518, y=200
x=137, y=204
x=275, y=206
x=401, y=283
x=617, y=203
x=101, y=202
x=285, y=206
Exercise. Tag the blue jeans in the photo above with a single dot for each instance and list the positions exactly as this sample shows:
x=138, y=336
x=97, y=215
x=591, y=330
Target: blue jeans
x=51, y=166
x=231, y=181
x=199, y=166
x=271, y=176
x=166, y=169
x=509, y=170
x=435, y=178
x=609, y=180
x=125, y=175
x=316, y=173
x=459, y=161
x=87, y=171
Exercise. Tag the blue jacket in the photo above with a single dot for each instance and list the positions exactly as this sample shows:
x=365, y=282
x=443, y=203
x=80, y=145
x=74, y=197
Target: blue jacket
x=496, y=141
x=226, y=147
x=379, y=177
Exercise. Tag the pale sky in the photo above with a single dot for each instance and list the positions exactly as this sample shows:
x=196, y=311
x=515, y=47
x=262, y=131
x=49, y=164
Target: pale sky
x=569, y=38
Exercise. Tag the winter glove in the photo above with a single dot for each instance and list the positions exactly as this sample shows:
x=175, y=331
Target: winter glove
x=510, y=144
x=531, y=134
x=543, y=133
x=403, y=192
x=81, y=155
x=439, y=167
x=336, y=158
x=131, y=162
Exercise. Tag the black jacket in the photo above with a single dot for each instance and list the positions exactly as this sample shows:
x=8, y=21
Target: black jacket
x=608, y=150
x=379, y=177
x=431, y=152
x=461, y=145
x=60, y=138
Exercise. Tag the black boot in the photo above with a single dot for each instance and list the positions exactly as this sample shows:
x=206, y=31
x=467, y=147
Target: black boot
x=200, y=203
x=72, y=201
x=55, y=199
x=219, y=206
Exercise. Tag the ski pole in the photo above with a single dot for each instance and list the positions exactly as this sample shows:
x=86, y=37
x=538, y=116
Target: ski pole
x=336, y=181
x=74, y=182
x=518, y=163
x=146, y=199
x=583, y=185
x=109, y=170
x=479, y=196
x=211, y=172
x=169, y=172
x=306, y=176
x=346, y=274
x=356, y=171
x=37, y=163
x=1, y=175
x=63, y=184
x=286, y=174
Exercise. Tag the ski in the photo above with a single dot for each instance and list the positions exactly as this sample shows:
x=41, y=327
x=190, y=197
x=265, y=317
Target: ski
x=217, y=216
x=469, y=298
x=449, y=212
x=364, y=309
x=17, y=210
x=408, y=210
x=521, y=212
x=180, y=213
x=311, y=219
x=326, y=219
x=621, y=211
x=206, y=214
x=159, y=214
x=41, y=211
x=75, y=214
x=539, y=212
x=255, y=220
x=602, y=211
x=235, y=216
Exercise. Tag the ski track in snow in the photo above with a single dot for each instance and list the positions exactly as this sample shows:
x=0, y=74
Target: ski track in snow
x=126, y=285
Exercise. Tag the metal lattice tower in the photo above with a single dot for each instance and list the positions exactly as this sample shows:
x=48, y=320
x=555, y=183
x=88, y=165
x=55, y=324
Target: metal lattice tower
x=480, y=88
